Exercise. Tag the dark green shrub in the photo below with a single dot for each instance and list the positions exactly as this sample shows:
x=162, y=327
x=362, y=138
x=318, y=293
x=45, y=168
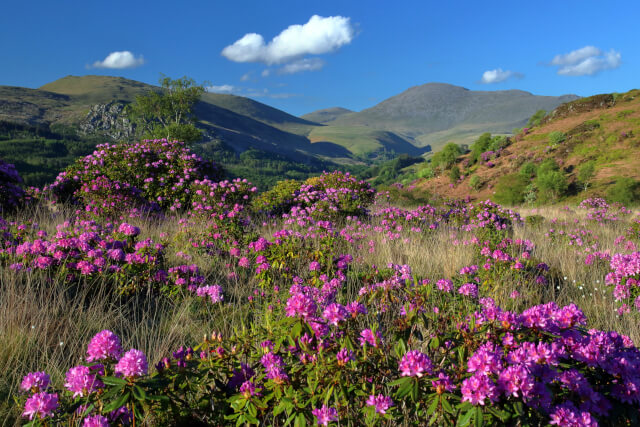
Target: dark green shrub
x=556, y=137
x=534, y=220
x=278, y=200
x=475, y=182
x=528, y=170
x=510, y=190
x=551, y=185
x=625, y=191
x=446, y=157
x=454, y=174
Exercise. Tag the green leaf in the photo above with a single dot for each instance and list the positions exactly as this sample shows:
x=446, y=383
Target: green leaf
x=301, y=421
x=139, y=393
x=479, y=417
x=113, y=381
x=433, y=406
x=446, y=405
x=466, y=418
x=121, y=401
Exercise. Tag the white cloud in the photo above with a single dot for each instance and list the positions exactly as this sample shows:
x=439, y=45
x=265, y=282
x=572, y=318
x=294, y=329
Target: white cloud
x=265, y=72
x=586, y=61
x=319, y=35
x=246, y=77
x=305, y=64
x=221, y=89
x=498, y=75
x=124, y=59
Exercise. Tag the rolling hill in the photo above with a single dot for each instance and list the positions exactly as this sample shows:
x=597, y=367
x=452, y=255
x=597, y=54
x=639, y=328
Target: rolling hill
x=435, y=113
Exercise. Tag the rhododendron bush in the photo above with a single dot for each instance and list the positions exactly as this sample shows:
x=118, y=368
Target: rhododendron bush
x=119, y=178
x=311, y=329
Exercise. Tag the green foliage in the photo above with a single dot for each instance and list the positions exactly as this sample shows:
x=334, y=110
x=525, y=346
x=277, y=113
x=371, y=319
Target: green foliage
x=556, y=137
x=168, y=113
x=279, y=199
x=486, y=142
x=426, y=172
x=586, y=171
x=446, y=157
x=454, y=173
x=549, y=165
x=534, y=220
x=510, y=190
x=551, y=184
x=475, y=182
x=262, y=168
x=40, y=152
x=390, y=171
x=625, y=191
x=536, y=118
x=528, y=170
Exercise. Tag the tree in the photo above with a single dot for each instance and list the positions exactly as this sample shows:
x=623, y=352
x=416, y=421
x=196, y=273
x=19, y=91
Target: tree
x=552, y=184
x=168, y=113
x=447, y=156
x=586, y=173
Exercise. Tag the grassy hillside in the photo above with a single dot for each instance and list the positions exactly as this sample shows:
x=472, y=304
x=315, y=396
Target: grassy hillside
x=363, y=141
x=435, y=113
x=593, y=143
x=327, y=115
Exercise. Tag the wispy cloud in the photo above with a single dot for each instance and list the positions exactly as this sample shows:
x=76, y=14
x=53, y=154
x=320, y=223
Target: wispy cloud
x=318, y=36
x=246, y=77
x=586, y=61
x=248, y=92
x=499, y=75
x=119, y=60
x=220, y=88
x=305, y=64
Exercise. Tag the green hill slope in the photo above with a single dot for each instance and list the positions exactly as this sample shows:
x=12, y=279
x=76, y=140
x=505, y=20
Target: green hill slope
x=434, y=113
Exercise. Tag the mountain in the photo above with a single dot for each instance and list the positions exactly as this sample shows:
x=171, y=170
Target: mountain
x=435, y=113
x=601, y=132
x=327, y=115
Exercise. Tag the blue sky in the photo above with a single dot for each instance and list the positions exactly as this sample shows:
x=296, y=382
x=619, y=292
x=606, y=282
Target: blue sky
x=300, y=56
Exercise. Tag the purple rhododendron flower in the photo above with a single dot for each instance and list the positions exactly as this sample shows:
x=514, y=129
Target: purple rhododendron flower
x=132, y=364
x=40, y=405
x=104, y=345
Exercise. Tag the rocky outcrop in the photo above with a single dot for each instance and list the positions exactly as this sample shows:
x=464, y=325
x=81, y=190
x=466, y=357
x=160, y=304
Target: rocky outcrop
x=108, y=120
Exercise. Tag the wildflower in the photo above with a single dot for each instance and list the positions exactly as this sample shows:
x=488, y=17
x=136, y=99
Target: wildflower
x=381, y=403
x=469, y=289
x=443, y=383
x=96, y=421
x=415, y=364
x=40, y=405
x=344, y=355
x=132, y=364
x=300, y=305
x=104, y=345
x=35, y=382
x=335, y=313
x=81, y=381
x=478, y=388
x=325, y=415
x=249, y=389
x=128, y=230
x=367, y=336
